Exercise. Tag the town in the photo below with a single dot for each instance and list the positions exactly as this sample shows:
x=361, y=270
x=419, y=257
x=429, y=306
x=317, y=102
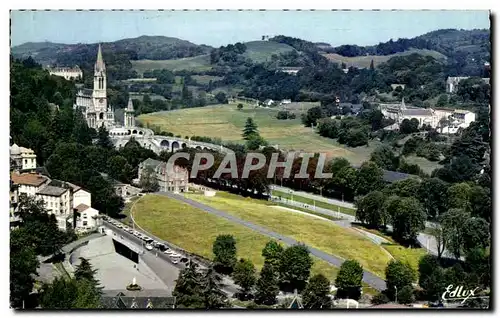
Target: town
x=273, y=173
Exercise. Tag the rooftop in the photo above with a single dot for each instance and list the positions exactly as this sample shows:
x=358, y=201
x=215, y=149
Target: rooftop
x=52, y=191
x=30, y=179
x=417, y=112
x=81, y=207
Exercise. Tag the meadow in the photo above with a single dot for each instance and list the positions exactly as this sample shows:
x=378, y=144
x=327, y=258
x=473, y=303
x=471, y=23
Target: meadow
x=226, y=122
x=196, y=63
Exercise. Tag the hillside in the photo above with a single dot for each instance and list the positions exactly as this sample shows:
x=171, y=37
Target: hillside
x=195, y=63
x=261, y=51
x=365, y=60
x=143, y=47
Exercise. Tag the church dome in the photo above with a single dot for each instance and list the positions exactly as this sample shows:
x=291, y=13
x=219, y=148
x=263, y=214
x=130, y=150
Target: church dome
x=15, y=150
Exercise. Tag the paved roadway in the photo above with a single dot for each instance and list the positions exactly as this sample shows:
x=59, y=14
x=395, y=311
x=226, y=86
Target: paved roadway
x=161, y=265
x=369, y=278
x=427, y=241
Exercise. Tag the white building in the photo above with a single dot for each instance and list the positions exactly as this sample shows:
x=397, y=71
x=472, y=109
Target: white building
x=22, y=158
x=69, y=73
x=60, y=198
x=94, y=103
x=452, y=83
x=88, y=218
x=445, y=119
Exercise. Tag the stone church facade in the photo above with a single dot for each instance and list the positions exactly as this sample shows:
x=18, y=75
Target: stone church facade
x=93, y=102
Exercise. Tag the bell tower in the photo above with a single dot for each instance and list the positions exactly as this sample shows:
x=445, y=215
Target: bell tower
x=99, y=93
x=128, y=115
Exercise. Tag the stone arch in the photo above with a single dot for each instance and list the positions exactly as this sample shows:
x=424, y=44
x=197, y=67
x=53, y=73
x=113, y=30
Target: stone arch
x=164, y=143
x=140, y=132
x=198, y=147
x=134, y=132
x=183, y=145
x=175, y=145
x=129, y=132
x=101, y=115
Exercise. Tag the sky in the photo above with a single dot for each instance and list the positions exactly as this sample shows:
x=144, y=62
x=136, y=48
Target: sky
x=216, y=28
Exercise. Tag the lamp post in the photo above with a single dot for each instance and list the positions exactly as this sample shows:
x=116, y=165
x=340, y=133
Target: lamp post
x=396, y=293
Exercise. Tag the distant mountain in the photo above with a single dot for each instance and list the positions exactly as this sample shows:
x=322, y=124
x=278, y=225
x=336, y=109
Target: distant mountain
x=143, y=47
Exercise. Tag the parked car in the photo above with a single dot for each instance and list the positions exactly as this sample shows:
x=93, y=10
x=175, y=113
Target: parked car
x=149, y=247
x=184, y=260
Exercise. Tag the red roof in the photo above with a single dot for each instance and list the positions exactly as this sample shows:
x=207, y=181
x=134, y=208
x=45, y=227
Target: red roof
x=81, y=207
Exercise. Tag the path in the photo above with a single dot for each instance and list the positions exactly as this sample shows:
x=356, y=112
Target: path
x=369, y=278
x=427, y=241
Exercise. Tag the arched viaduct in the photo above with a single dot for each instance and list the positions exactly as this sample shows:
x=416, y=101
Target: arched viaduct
x=147, y=139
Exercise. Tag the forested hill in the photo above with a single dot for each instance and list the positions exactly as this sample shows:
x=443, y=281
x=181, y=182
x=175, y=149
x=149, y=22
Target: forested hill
x=466, y=50
x=143, y=47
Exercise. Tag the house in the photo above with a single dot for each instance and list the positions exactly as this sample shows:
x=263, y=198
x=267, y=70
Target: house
x=87, y=218
x=394, y=86
x=269, y=102
x=14, y=199
x=69, y=73
x=285, y=102
x=60, y=197
x=122, y=301
x=175, y=179
x=289, y=70
x=23, y=159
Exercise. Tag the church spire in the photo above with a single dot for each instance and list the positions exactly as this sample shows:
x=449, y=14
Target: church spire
x=130, y=106
x=99, y=64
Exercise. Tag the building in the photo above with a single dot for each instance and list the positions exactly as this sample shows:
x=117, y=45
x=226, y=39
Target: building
x=94, y=103
x=400, y=112
x=394, y=86
x=290, y=70
x=13, y=201
x=176, y=179
x=452, y=83
x=60, y=198
x=69, y=73
x=87, y=218
x=22, y=158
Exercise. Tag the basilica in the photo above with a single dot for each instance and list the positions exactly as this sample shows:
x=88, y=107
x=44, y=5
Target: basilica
x=93, y=103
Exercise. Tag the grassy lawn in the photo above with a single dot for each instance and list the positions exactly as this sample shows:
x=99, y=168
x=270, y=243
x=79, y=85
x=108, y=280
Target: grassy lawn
x=410, y=255
x=261, y=51
x=321, y=234
x=227, y=122
x=312, y=202
x=205, y=79
x=426, y=165
x=195, y=63
x=196, y=230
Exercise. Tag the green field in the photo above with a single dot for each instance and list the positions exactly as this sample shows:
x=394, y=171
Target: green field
x=408, y=255
x=364, y=61
x=321, y=234
x=311, y=202
x=261, y=51
x=195, y=230
x=205, y=79
x=227, y=122
x=196, y=63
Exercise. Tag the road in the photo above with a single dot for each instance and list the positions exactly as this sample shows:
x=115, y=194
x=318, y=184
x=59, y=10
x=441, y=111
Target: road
x=162, y=264
x=369, y=278
x=427, y=241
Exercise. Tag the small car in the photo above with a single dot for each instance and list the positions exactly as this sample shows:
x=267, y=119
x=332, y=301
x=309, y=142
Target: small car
x=149, y=247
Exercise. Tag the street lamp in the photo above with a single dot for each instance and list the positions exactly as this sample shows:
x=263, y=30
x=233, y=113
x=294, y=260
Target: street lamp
x=396, y=293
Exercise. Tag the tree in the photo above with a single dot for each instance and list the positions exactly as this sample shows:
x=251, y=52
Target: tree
x=240, y=106
x=397, y=276
x=442, y=100
x=103, y=139
x=312, y=116
x=88, y=297
x=224, y=249
x=250, y=129
x=380, y=298
x=23, y=266
x=85, y=271
x=453, y=223
x=295, y=267
x=221, y=98
x=369, y=209
x=148, y=181
x=405, y=296
x=476, y=234
x=349, y=280
x=408, y=127
x=480, y=202
x=272, y=253
x=316, y=293
x=119, y=169
x=255, y=141
x=188, y=288
x=385, y=158
x=369, y=178
x=244, y=275
x=459, y=196
x=432, y=193
x=408, y=220
x=213, y=296
x=438, y=233
x=431, y=277
x=61, y=294
x=267, y=285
